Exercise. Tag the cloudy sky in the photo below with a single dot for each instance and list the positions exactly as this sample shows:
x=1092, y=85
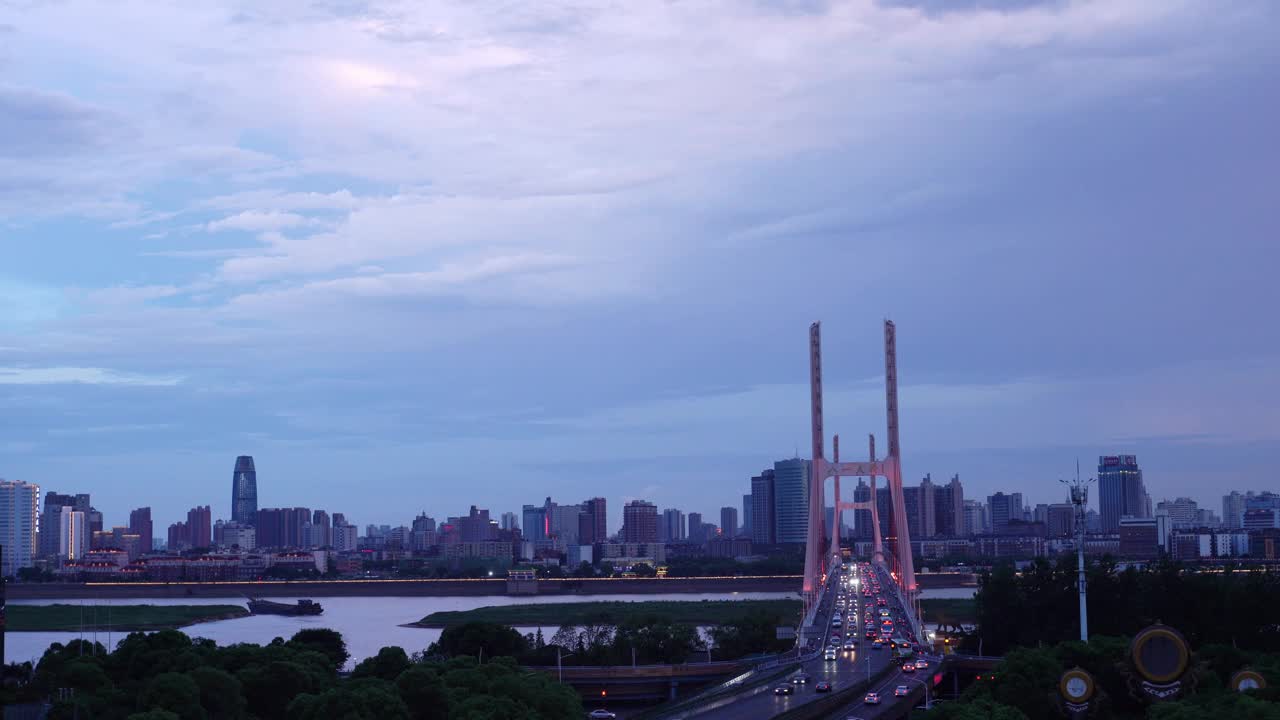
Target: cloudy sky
x=414, y=256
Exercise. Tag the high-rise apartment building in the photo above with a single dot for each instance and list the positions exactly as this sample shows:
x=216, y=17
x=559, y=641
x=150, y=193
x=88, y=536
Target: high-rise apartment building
x=1121, y=492
x=1183, y=512
x=746, y=516
x=140, y=525
x=510, y=521
x=179, y=537
x=19, y=524
x=200, y=526
x=729, y=522
x=1061, y=520
x=974, y=518
x=639, y=522
x=321, y=530
x=927, y=525
x=671, y=529
x=598, y=510
x=948, y=509
x=791, y=500
x=697, y=533
x=244, y=491
x=763, y=529
x=49, y=541
x=1233, y=507
x=536, y=527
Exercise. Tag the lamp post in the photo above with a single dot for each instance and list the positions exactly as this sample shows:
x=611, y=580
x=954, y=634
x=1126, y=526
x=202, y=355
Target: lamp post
x=559, y=666
x=923, y=684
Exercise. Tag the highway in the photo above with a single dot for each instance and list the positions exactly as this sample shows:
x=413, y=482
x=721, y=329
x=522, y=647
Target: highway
x=848, y=668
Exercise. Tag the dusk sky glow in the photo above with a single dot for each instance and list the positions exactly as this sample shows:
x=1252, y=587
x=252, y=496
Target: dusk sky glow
x=417, y=256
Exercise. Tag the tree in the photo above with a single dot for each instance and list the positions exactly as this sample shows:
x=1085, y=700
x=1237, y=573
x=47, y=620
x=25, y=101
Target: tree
x=424, y=693
x=364, y=699
x=644, y=570
x=221, y=694
x=174, y=692
x=325, y=641
x=155, y=715
x=469, y=638
x=387, y=664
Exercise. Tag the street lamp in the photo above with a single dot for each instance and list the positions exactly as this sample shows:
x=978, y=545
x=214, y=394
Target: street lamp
x=559, y=666
x=923, y=684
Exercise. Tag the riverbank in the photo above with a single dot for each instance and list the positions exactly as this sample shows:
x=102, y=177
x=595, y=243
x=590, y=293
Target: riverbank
x=122, y=618
x=704, y=612
x=399, y=588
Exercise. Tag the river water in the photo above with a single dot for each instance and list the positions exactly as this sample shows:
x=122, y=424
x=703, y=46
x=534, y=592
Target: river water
x=366, y=623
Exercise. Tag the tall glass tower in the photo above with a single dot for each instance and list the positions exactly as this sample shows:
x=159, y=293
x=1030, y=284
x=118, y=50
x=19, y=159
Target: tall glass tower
x=244, y=491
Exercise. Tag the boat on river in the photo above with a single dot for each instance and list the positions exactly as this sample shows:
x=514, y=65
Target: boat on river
x=267, y=607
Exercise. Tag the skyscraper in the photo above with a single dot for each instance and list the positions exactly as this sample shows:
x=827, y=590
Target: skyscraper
x=948, y=507
x=746, y=515
x=598, y=509
x=791, y=500
x=729, y=522
x=321, y=530
x=671, y=529
x=49, y=542
x=639, y=522
x=974, y=515
x=763, y=531
x=1004, y=508
x=73, y=540
x=927, y=526
x=1121, y=492
x=271, y=527
x=535, y=527
x=1233, y=507
x=696, y=532
x=510, y=521
x=244, y=491
x=200, y=527
x=19, y=521
x=140, y=525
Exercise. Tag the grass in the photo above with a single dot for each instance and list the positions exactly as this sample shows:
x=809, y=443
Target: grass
x=950, y=611
x=696, y=612
x=49, y=618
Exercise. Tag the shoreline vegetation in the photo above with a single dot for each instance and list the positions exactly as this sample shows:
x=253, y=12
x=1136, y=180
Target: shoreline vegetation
x=685, y=612
x=950, y=611
x=120, y=618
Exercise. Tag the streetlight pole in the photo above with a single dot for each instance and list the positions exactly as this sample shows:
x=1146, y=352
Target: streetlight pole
x=559, y=665
x=923, y=684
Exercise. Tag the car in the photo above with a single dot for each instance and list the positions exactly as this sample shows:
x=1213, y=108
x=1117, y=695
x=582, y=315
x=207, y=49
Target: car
x=877, y=644
x=602, y=714
x=784, y=690
x=871, y=634
x=901, y=691
x=823, y=686
x=829, y=655
x=850, y=645
x=908, y=668
x=922, y=664
x=872, y=698
x=800, y=680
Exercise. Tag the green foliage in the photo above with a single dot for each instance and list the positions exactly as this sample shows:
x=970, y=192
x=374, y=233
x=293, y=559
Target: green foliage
x=754, y=633
x=1039, y=605
x=469, y=638
x=165, y=675
x=323, y=640
x=387, y=664
x=60, y=617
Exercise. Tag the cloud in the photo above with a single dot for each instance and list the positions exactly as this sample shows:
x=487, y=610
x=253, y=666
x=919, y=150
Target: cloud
x=83, y=376
x=40, y=124
x=258, y=221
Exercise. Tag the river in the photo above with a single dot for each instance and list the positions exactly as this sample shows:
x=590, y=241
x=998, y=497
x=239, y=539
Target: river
x=366, y=623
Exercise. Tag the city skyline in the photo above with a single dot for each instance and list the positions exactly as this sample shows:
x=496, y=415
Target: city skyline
x=378, y=246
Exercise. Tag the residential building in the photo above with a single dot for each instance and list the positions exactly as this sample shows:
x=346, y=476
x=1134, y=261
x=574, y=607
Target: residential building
x=639, y=522
x=671, y=528
x=597, y=509
x=948, y=509
x=729, y=522
x=140, y=525
x=974, y=518
x=200, y=527
x=19, y=525
x=509, y=521
x=1139, y=538
x=1183, y=512
x=1233, y=507
x=697, y=533
x=535, y=527
x=1003, y=509
x=1121, y=492
x=1060, y=520
x=746, y=515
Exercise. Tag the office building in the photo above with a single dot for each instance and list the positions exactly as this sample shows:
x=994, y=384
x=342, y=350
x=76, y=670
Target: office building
x=565, y=523
x=244, y=491
x=598, y=511
x=235, y=535
x=1121, y=492
x=535, y=526
x=140, y=525
x=639, y=522
x=1003, y=509
x=345, y=537
x=763, y=531
x=1060, y=520
x=791, y=500
x=729, y=521
x=746, y=516
x=671, y=529
x=200, y=527
x=948, y=509
x=1140, y=538
x=321, y=535
x=19, y=525
x=49, y=539
x=73, y=537
x=1183, y=512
